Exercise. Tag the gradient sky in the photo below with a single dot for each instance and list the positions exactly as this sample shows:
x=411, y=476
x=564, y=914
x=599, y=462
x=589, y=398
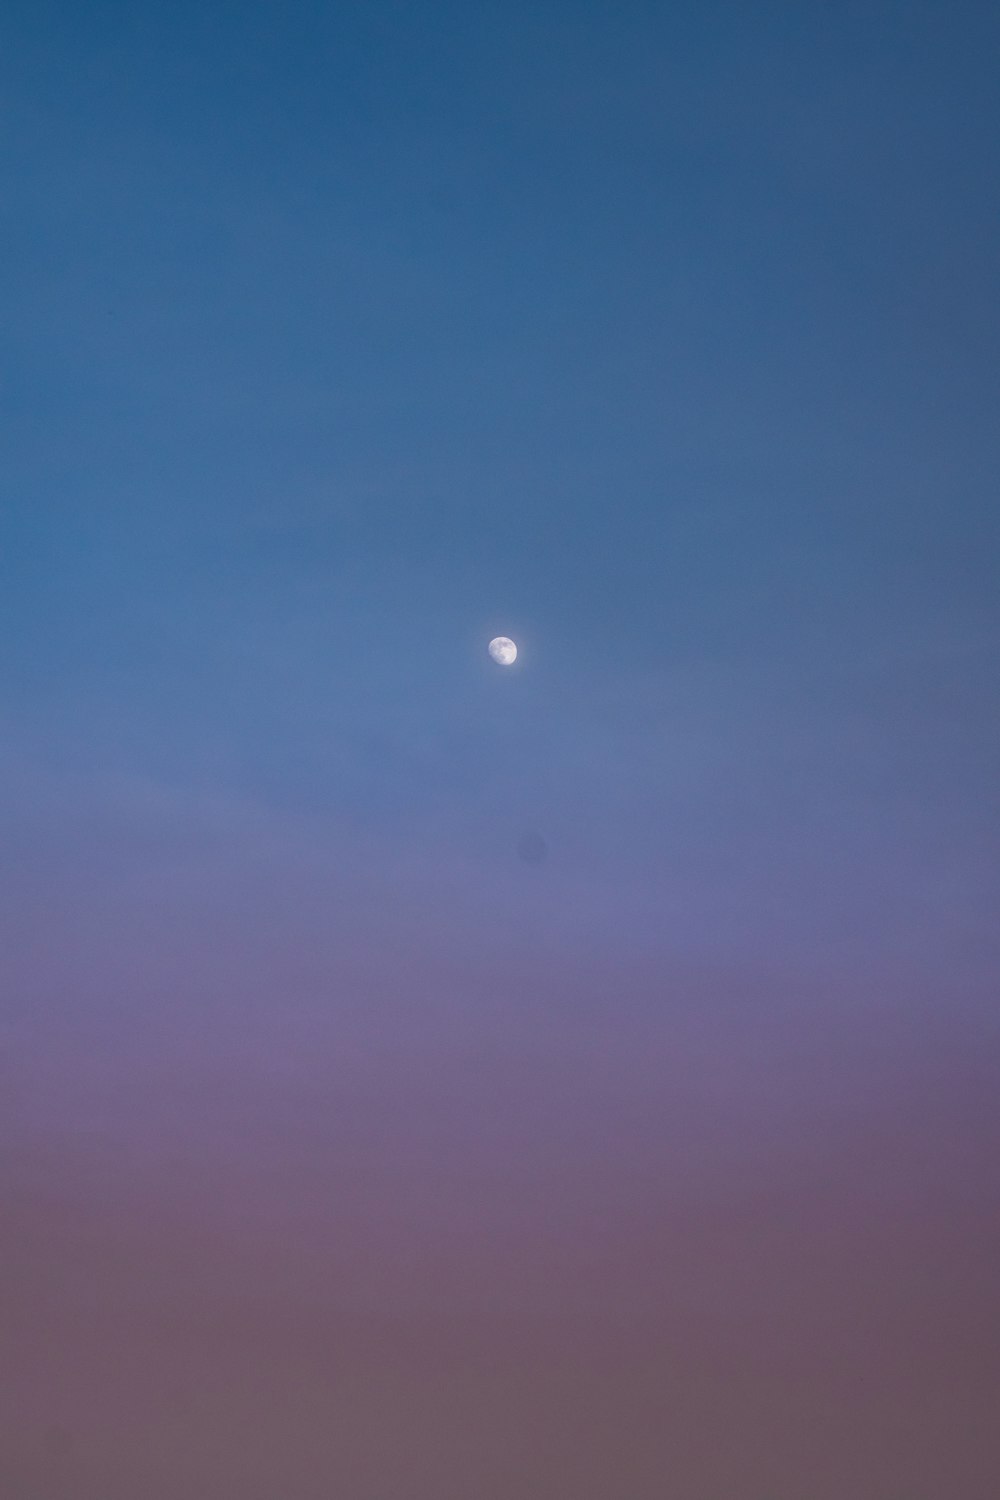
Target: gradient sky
x=343, y=1151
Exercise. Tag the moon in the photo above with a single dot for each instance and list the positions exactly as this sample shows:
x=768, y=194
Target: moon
x=503, y=650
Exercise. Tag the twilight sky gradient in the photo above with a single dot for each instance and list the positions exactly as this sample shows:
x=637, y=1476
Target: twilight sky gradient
x=344, y=1153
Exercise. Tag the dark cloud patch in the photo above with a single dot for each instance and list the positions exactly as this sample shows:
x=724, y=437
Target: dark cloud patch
x=532, y=848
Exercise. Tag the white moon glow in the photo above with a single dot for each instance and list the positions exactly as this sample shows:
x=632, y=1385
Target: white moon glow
x=503, y=650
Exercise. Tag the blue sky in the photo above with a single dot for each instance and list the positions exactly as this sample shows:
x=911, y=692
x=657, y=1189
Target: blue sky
x=338, y=339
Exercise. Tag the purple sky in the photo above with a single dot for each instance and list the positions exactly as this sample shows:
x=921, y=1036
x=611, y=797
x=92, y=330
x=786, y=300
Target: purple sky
x=343, y=1151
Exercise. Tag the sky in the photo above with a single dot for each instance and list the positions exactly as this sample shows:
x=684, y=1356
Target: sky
x=425, y=1079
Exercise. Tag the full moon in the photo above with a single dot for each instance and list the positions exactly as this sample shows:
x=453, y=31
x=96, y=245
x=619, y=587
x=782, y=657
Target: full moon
x=503, y=650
